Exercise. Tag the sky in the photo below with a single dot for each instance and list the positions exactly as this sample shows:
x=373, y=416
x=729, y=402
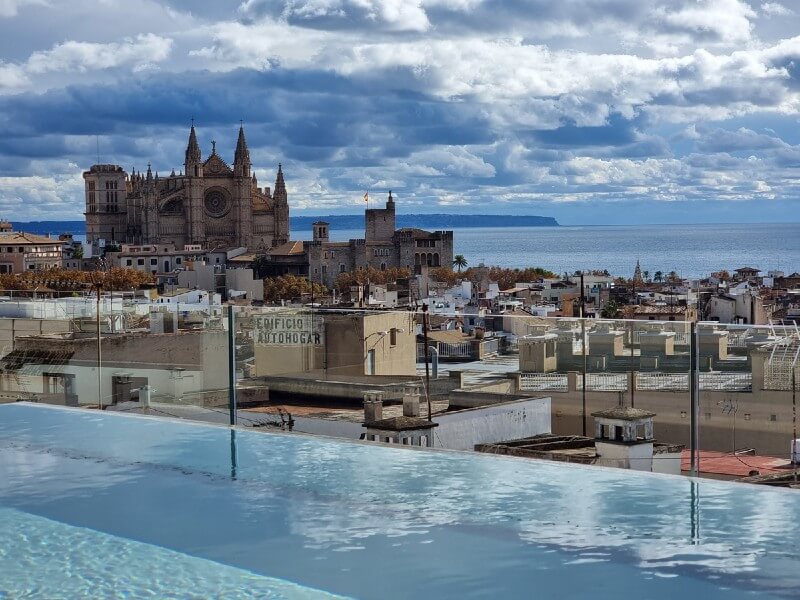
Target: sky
x=590, y=111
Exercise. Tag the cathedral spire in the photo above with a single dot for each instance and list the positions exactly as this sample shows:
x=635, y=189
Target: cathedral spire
x=241, y=159
x=279, y=195
x=193, y=156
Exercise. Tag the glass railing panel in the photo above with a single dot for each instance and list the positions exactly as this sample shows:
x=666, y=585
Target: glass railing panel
x=748, y=395
x=310, y=369
x=159, y=359
x=612, y=383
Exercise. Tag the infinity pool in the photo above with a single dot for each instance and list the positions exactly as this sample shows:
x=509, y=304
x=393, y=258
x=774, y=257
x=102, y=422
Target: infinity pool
x=106, y=506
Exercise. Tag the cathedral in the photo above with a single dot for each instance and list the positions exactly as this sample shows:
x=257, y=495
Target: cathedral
x=209, y=203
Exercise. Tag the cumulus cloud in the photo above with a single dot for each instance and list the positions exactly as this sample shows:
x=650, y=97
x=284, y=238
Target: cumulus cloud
x=139, y=52
x=448, y=102
x=775, y=9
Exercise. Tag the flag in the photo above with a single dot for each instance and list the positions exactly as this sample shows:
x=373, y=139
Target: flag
x=366, y=196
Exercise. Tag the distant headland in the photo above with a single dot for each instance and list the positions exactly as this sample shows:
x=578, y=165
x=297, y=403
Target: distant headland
x=429, y=221
x=302, y=223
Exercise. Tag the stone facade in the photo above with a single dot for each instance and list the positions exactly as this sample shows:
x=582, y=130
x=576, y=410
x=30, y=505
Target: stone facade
x=383, y=247
x=211, y=203
x=20, y=252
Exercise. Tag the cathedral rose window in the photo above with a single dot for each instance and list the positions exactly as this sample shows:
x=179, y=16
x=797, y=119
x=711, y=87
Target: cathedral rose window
x=216, y=203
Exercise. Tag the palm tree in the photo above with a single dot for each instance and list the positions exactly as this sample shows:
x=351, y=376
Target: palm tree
x=459, y=262
x=658, y=277
x=646, y=275
x=672, y=277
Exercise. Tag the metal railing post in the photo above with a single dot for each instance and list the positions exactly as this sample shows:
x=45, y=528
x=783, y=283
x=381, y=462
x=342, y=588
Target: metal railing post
x=694, y=401
x=231, y=365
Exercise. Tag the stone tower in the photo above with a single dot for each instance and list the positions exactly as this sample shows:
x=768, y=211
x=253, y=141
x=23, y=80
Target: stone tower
x=637, y=274
x=380, y=222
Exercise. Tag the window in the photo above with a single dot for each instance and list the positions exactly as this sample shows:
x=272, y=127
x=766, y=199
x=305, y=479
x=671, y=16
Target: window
x=393, y=336
x=341, y=268
x=129, y=262
x=324, y=270
x=178, y=260
x=140, y=262
x=153, y=261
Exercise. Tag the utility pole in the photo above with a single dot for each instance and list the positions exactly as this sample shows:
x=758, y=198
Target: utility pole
x=794, y=420
x=98, y=288
x=694, y=401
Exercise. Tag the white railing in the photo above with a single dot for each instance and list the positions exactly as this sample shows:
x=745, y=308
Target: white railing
x=455, y=350
x=663, y=382
x=541, y=382
x=604, y=382
x=654, y=382
x=734, y=382
x=447, y=350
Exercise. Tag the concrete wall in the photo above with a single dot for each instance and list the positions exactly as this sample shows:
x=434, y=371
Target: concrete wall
x=187, y=365
x=242, y=280
x=728, y=420
x=458, y=430
x=10, y=329
x=638, y=457
x=463, y=429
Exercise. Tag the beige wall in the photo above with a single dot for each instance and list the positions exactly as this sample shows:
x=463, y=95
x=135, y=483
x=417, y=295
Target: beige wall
x=728, y=420
x=44, y=255
x=348, y=338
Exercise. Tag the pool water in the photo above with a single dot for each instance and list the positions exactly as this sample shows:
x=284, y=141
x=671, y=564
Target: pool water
x=107, y=506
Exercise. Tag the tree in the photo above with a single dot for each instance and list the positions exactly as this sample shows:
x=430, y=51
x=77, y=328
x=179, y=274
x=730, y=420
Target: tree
x=672, y=277
x=58, y=279
x=646, y=275
x=444, y=275
x=658, y=277
x=369, y=275
x=77, y=251
x=289, y=287
x=611, y=310
x=459, y=262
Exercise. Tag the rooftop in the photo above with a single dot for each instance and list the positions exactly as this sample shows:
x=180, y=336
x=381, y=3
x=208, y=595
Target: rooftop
x=287, y=249
x=22, y=238
x=624, y=413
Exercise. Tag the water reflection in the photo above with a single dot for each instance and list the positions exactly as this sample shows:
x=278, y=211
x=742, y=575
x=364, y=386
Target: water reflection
x=327, y=496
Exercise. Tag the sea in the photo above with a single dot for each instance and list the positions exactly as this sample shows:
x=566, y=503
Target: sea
x=692, y=251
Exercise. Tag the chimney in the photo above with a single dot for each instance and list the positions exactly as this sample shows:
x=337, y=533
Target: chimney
x=411, y=401
x=373, y=406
